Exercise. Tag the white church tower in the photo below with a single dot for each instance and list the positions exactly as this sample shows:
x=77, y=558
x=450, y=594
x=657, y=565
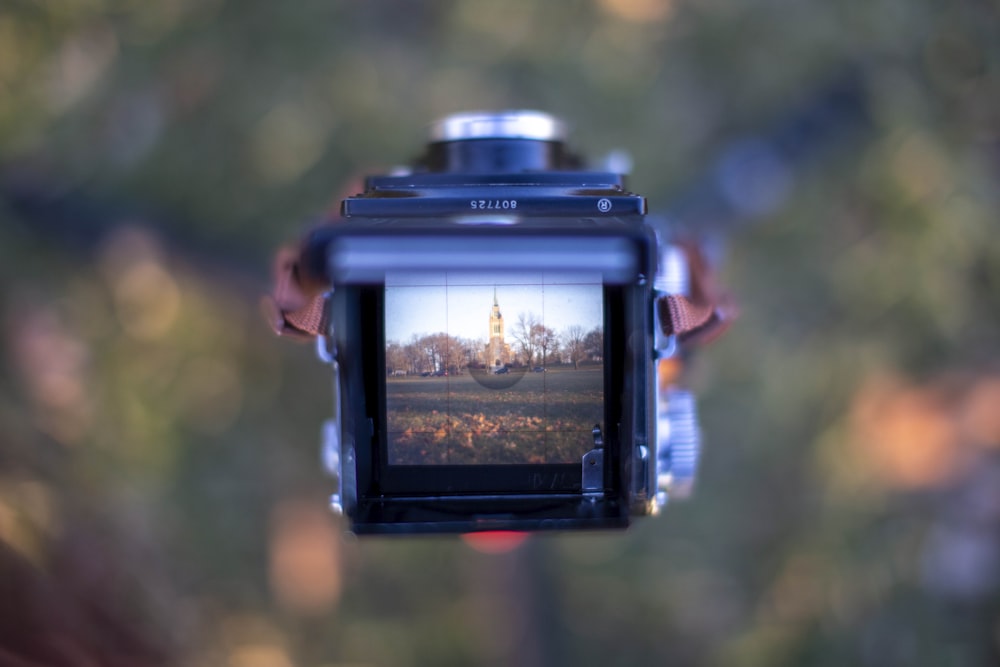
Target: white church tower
x=497, y=352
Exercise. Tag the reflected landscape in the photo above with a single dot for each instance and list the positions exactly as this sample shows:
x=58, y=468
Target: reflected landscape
x=489, y=388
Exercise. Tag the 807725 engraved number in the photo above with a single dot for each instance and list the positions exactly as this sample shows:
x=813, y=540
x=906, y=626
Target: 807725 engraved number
x=493, y=204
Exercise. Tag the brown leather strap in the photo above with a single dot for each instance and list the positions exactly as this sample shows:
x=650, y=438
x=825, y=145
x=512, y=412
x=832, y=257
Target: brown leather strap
x=698, y=319
x=693, y=322
x=289, y=309
x=311, y=318
x=706, y=313
x=679, y=315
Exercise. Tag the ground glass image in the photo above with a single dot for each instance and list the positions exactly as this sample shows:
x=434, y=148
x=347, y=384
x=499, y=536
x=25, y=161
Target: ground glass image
x=493, y=369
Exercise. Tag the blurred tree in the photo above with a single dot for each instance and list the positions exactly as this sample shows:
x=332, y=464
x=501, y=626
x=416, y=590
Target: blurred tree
x=159, y=446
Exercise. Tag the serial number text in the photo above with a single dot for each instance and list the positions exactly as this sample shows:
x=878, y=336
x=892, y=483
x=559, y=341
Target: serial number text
x=493, y=204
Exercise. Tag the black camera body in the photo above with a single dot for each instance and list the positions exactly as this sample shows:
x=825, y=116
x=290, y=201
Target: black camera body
x=492, y=329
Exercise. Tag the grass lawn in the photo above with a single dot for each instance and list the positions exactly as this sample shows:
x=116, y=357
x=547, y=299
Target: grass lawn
x=542, y=418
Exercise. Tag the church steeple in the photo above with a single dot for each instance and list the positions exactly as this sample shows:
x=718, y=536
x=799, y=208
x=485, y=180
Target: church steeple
x=496, y=319
x=497, y=351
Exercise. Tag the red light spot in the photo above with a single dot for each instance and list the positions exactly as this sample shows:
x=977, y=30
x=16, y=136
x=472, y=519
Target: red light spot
x=495, y=541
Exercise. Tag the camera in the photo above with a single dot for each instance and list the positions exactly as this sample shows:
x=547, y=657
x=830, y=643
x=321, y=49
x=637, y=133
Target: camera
x=501, y=324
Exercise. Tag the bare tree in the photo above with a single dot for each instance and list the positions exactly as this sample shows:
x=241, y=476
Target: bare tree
x=415, y=356
x=472, y=351
x=454, y=354
x=546, y=341
x=522, y=333
x=432, y=352
x=396, y=357
x=573, y=343
x=593, y=344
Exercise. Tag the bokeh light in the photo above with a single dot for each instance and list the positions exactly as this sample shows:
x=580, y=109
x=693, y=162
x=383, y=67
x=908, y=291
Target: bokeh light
x=162, y=499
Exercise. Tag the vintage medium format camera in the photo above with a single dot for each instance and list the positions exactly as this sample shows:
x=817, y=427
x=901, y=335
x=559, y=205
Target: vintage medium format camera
x=498, y=321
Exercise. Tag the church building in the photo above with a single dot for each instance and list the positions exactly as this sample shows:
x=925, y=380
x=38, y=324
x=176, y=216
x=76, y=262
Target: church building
x=497, y=351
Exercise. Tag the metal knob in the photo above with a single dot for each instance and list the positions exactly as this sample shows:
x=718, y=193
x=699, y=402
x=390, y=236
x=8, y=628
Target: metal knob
x=678, y=444
x=522, y=124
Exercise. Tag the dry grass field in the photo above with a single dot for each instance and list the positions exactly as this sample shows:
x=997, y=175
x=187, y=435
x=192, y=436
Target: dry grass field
x=542, y=418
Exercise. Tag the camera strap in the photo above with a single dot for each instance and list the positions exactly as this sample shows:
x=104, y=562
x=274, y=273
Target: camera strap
x=703, y=315
x=290, y=309
x=691, y=322
x=299, y=311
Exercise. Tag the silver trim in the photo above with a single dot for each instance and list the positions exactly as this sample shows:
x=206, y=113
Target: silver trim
x=672, y=272
x=593, y=467
x=678, y=447
x=332, y=444
x=593, y=474
x=515, y=124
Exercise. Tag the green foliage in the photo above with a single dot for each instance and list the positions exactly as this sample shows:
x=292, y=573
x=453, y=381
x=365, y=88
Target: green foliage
x=158, y=463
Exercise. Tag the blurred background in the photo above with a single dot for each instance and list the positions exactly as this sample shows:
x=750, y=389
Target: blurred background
x=161, y=501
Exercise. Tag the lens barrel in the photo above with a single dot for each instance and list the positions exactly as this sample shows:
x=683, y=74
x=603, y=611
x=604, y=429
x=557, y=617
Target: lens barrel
x=498, y=142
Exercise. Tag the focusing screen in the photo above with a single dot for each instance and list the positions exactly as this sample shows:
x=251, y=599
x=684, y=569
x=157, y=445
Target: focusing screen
x=486, y=369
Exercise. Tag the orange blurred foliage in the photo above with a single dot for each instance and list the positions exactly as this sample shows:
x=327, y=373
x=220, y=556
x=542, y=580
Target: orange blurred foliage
x=906, y=436
x=305, y=557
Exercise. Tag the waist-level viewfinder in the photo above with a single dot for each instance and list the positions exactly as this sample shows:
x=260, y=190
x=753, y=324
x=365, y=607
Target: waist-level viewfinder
x=494, y=339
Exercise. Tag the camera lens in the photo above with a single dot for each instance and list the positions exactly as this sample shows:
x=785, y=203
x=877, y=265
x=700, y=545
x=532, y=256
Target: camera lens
x=497, y=142
x=533, y=125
